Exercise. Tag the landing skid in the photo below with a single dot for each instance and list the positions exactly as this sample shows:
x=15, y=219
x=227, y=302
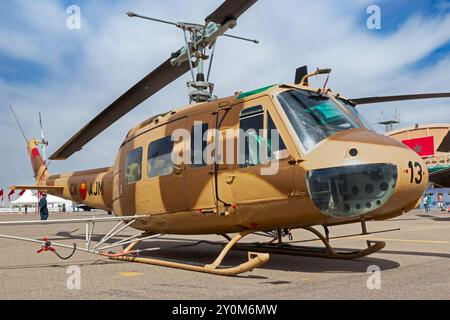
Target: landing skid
x=255, y=260
x=327, y=252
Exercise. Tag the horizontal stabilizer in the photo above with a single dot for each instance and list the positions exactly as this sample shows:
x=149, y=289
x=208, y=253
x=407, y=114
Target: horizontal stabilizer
x=37, y=188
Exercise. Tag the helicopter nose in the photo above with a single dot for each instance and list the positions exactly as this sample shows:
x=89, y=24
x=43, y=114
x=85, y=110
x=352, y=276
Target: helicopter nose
x=412, y=181
x=374, y=175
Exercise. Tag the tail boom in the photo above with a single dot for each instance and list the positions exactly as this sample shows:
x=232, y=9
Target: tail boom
x=91, y=187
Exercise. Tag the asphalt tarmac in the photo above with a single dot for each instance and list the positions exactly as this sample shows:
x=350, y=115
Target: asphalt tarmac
x=415, y=264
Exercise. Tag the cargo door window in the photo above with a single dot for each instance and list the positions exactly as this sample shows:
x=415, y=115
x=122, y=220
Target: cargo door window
x=133, y=169
x=160, y=158
x=198, y=145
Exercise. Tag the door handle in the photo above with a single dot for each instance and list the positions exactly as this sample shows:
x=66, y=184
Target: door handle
x=293, y=162
x=178, y=170
x=230, y=179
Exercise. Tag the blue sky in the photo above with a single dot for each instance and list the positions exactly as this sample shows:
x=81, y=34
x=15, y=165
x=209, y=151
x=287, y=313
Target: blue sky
x=21, y=70
x=70, y=76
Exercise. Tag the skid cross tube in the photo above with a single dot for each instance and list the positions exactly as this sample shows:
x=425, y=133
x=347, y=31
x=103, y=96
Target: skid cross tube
x=255, y=260
x=328, y=251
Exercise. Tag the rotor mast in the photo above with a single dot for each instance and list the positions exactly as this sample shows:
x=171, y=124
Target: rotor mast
x=199, y=39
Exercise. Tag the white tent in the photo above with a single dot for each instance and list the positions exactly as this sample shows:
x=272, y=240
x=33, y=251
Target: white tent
x=55, y=200
x=27, y=199
x=30, y=199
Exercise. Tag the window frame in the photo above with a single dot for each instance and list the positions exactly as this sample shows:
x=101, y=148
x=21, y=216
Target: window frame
x=283, y=152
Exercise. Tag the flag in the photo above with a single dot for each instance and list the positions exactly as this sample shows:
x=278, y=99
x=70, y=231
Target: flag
x=10, y=194
x=423, y=146
x=1, y=194
x=21, y=193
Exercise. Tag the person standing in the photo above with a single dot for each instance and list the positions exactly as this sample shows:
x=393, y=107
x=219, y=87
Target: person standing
x=440, y=201
x=425, y=202
x=43, y=210
x=430, y=201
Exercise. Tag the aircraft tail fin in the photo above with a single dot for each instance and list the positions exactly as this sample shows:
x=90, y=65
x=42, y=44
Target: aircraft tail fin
x=37, y=163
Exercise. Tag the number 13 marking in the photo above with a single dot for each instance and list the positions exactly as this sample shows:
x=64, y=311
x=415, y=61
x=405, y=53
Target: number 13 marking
x=416, y=178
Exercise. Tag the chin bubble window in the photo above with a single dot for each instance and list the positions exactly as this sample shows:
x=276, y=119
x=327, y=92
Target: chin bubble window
x=353, y=190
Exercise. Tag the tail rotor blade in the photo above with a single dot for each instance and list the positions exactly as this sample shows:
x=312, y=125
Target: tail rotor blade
x=43, y=140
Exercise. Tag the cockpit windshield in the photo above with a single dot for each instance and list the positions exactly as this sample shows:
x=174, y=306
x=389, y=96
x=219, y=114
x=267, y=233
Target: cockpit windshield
x=314, y=117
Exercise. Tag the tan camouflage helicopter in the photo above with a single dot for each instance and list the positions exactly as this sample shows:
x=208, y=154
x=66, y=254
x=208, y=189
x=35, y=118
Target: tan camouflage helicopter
x=295, y=157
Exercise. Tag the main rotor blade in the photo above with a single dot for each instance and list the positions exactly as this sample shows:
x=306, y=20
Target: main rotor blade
x=371, y=100
x=230, y=10
x=151, y=84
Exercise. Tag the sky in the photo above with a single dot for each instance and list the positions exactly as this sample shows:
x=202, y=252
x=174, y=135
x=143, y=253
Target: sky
x=72, y=75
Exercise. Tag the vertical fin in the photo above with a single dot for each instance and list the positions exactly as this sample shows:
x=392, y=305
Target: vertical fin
x=37, y=163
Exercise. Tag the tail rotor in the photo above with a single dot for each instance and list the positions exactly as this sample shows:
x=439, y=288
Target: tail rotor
x=43, y=142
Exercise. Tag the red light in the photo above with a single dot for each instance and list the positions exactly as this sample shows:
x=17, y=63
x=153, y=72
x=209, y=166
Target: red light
x=35, y=153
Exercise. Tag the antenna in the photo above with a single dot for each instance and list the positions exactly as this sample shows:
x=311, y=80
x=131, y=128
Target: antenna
x=43, y=142
x=18, y=123
x=389, y=122
x=198, y=39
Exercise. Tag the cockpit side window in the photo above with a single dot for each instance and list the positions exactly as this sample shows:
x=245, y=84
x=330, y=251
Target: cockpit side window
x=355, y=113
x=251, y=137
x=133, y=168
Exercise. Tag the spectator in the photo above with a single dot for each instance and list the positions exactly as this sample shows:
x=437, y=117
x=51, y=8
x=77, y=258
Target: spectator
x=425, y=203
x=43, y=210
x=440, y=201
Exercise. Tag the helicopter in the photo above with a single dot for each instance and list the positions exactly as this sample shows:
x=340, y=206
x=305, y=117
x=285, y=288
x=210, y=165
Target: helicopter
x=282, y=157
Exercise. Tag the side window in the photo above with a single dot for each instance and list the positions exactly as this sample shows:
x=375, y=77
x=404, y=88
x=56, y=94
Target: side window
x=251, y=146
x=274, y=152
x=160, y=158
x=133, y=169
x=198, y=145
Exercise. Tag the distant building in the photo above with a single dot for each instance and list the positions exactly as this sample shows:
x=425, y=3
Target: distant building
x=432, y=143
